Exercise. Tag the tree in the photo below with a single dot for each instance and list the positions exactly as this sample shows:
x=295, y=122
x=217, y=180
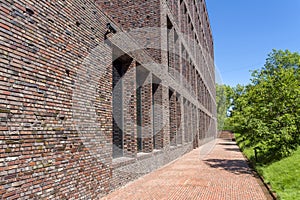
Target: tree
x=224, y=99
x=267, y=111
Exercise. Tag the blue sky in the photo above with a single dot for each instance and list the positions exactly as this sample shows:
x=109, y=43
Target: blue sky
x=245, y=32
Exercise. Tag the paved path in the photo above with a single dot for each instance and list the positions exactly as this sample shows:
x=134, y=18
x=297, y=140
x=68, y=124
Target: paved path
x=217, y=170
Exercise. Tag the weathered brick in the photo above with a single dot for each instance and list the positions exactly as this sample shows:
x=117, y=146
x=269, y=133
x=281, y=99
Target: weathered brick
x=59, y=119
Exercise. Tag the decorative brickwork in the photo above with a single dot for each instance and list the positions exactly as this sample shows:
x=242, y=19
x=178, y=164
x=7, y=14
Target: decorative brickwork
x=95, y=94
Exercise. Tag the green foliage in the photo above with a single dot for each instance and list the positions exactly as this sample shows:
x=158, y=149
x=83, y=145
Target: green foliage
x=267, y=111
x=223, y=97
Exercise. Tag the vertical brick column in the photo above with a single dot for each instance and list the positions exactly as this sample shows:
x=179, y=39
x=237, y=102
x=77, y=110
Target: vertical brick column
x=157, y=113
x=198, y=125
x=188, y=68
x=198, y=87
x=186, y=127
x=177, y=57
x=202, y=93
x=195, y=132
x=147, y=115
x=173, y=120
x=182, y=17
x=209, y=126
x=129, y=111
x=145, y=112
x=195, y=81
x=193, y=122
x=190, y=122
x=205, y=125
x=166, y=115
x=179, y=119
x=171, y=46
x=182, y=126
x=164, y=39
x=183, y=66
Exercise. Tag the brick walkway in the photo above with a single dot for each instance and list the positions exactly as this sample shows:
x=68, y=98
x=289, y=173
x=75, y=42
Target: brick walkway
x=217, y=170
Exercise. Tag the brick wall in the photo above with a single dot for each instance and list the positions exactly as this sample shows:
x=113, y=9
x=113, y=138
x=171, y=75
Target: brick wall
x=133, y=15
x=85, y=110
x=43, y=50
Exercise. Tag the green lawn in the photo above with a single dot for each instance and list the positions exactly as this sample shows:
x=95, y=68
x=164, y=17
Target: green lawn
x=283, y=175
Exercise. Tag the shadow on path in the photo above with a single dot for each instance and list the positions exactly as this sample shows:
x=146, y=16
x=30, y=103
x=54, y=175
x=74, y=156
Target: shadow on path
x=227, y=143
x=233, y=149
x=233, y=166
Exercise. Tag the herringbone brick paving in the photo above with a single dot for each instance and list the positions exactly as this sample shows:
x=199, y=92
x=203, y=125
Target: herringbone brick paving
x=214, y=171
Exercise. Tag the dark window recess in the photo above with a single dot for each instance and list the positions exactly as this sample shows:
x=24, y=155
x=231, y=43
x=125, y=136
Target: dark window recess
x=171, y=118
x=121, y=63
x=155, y=122
x=117, y=110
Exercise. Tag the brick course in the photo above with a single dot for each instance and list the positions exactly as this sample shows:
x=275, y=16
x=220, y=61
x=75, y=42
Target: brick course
x=68, y=127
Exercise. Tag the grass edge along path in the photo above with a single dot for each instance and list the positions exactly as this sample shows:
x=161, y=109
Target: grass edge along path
x=283, y=176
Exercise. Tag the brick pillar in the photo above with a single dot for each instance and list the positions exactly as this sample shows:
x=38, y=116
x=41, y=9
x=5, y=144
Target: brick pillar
x=157, y=113
x=171, y=46
x=199, y=87
x=199, y=125
x=177, y=57
x=182, y=127
x=194, y=87
x=144, y=112
x=147, y=128
x=186, y=129
x=193, y=122
x=204, y=124
x=164, y=39
x=195, y=126
x=190, y=113
x=188, y=69
x=166, y=117
x=173, y=121
x=183, y=66
x=179, y=119
x=209, y=126
x=187, y=122
x=129, y=112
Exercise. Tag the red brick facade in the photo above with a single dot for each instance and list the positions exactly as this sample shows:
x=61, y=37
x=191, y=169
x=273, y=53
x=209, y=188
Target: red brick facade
x=94, y=94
